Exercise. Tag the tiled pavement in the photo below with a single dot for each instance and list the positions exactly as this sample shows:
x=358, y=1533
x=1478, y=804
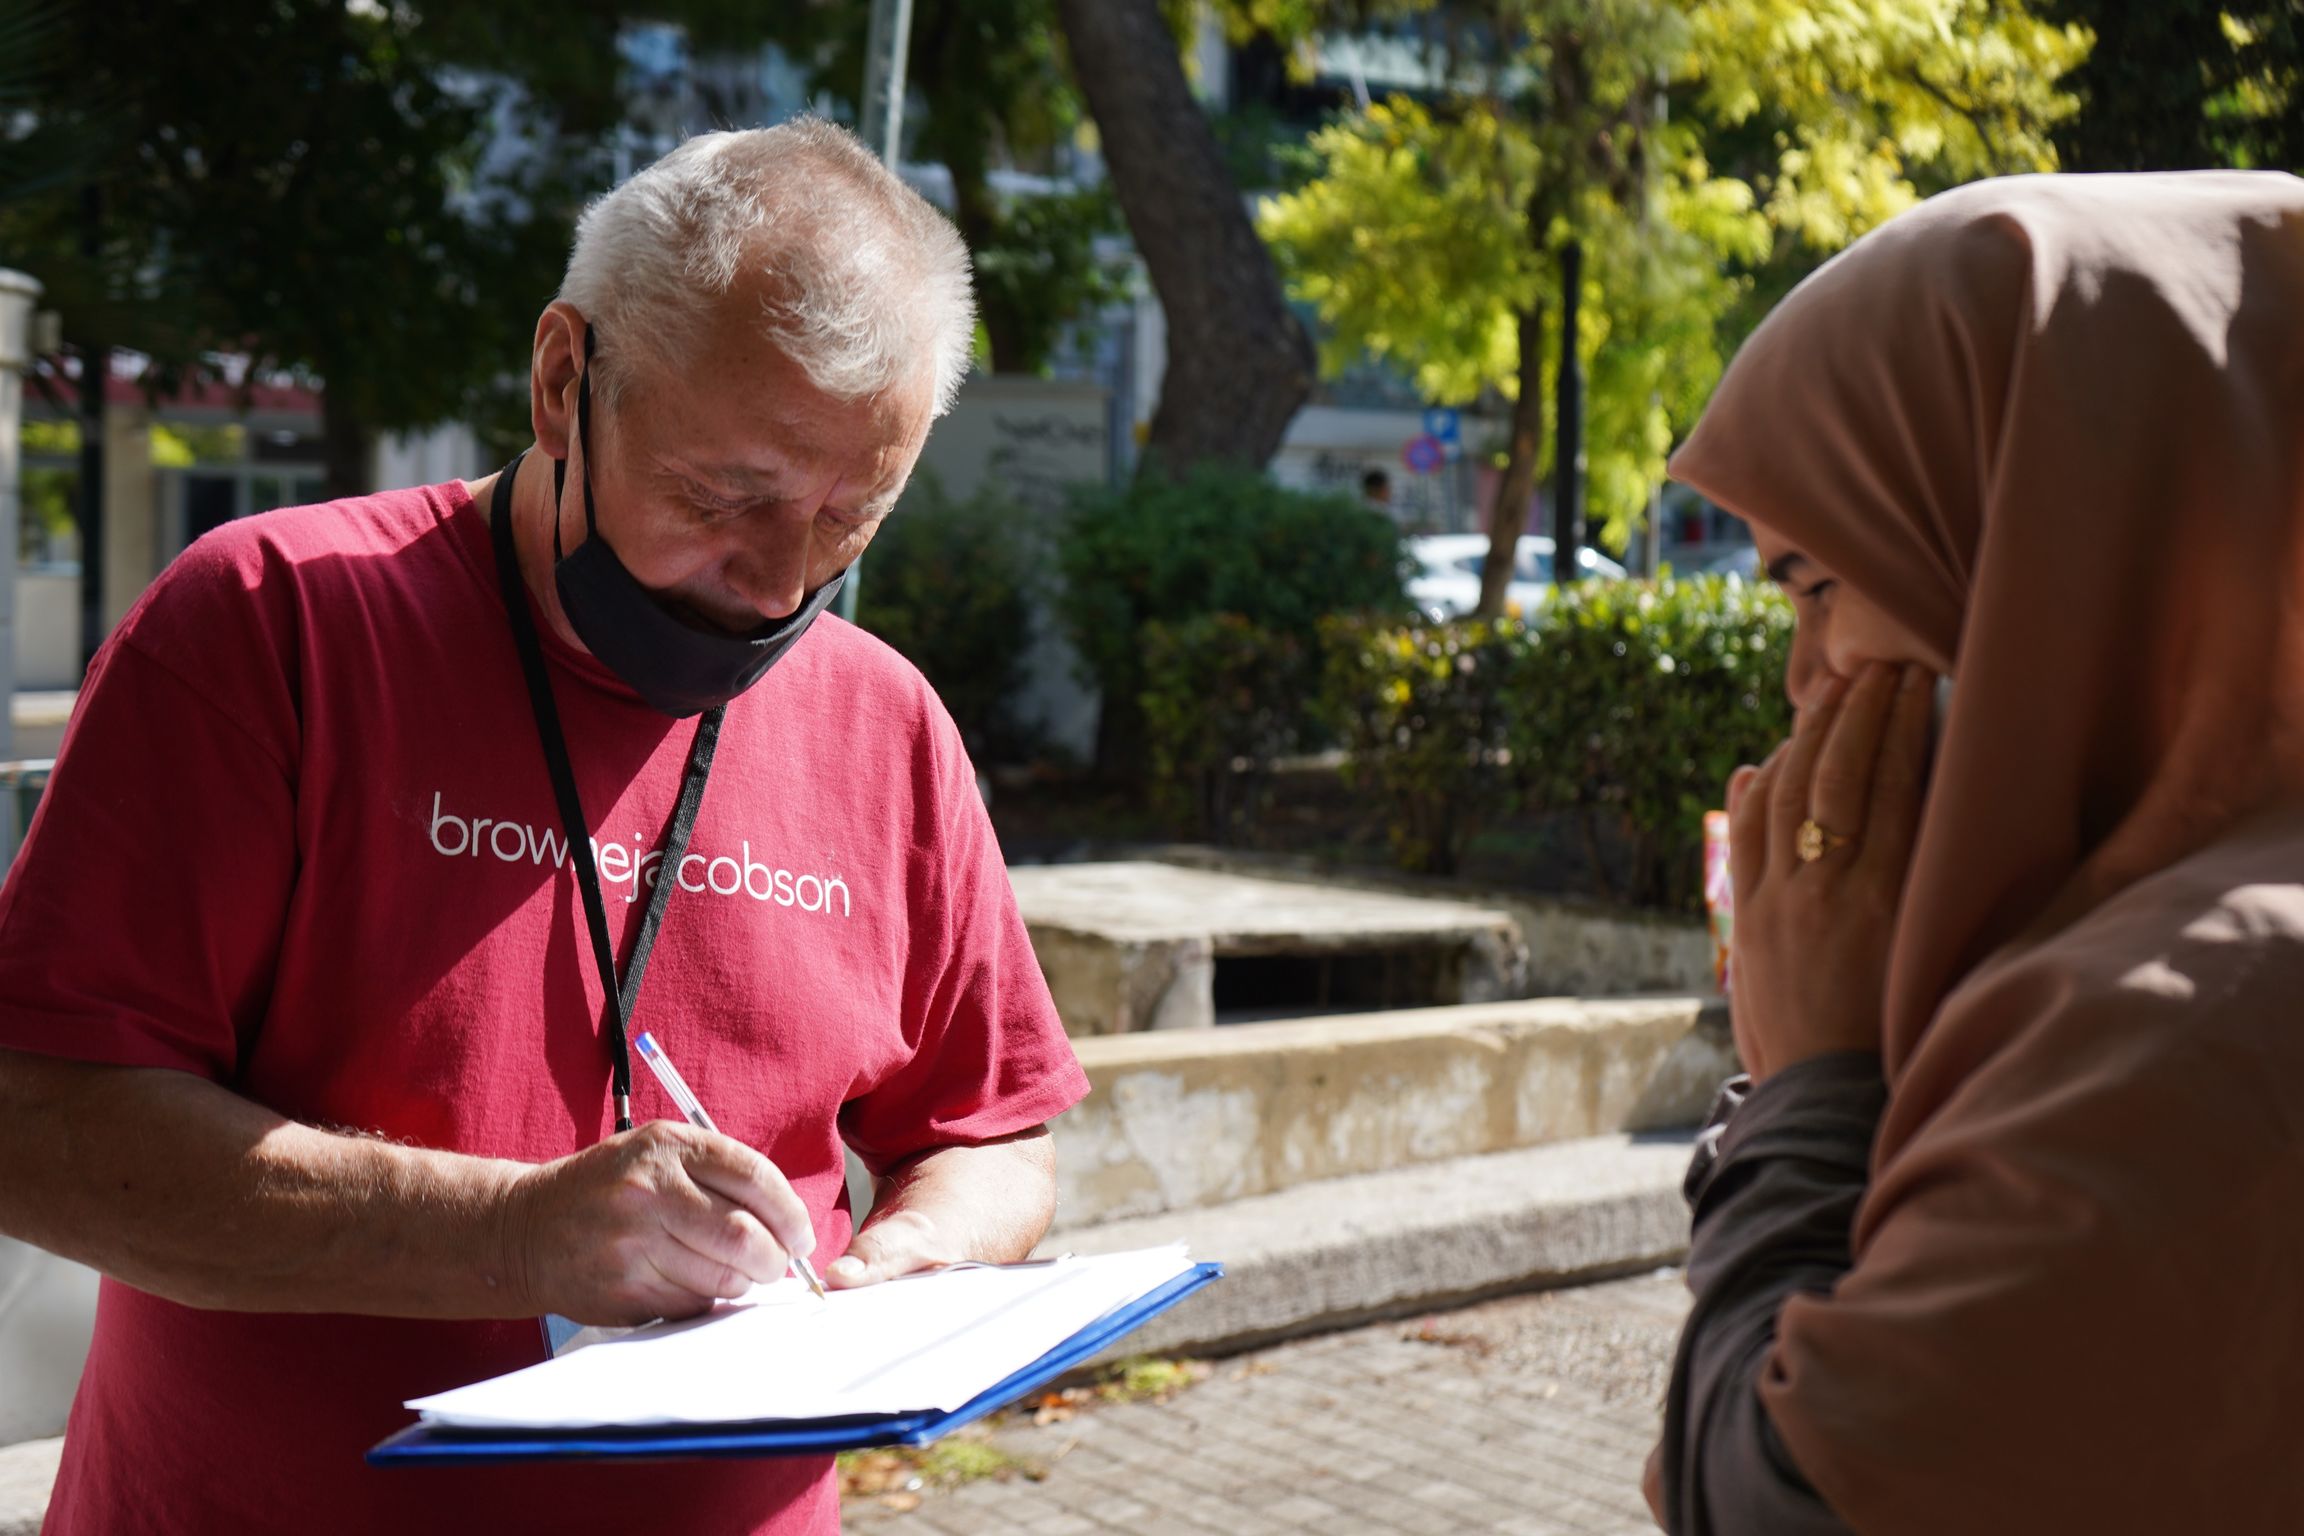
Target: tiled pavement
x=1529, y=1416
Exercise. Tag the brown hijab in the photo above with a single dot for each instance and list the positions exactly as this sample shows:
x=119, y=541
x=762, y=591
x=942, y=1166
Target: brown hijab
x=2056, y=426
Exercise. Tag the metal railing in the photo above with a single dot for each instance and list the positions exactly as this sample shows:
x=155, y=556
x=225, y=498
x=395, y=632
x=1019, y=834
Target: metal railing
x=20, y=786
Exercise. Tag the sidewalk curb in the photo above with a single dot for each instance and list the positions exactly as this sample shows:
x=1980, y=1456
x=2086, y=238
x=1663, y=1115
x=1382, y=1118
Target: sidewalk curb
x=1333, y=1254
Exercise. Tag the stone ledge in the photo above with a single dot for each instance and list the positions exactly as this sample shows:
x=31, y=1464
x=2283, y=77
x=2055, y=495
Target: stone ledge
x=1569, y=945
x=1178, y=1121
x=1345, y=1251
x=1134, y=945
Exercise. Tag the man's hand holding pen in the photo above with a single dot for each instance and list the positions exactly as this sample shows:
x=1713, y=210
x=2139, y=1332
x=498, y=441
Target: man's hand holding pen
x=659, y=1221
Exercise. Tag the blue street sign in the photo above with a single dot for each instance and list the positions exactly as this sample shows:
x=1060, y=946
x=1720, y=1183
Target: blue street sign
x=1440, y=422
x=1423, y=454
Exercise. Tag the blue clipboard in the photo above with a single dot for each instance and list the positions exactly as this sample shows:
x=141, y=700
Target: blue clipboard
x=424, y=1444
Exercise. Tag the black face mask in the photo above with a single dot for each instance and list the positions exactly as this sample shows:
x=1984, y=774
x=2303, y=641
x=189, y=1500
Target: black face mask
x=677, y=667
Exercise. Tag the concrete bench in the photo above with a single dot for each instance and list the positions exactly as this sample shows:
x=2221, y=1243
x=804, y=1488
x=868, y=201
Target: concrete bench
x=1150, y=946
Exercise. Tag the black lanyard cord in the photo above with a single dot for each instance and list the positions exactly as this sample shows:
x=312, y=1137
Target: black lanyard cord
x=622, y=999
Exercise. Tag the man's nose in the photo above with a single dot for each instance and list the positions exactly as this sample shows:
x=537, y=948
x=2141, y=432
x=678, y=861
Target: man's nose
x=771, y=572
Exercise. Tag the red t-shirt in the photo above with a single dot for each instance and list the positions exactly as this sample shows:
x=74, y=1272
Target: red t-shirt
x=301, y=840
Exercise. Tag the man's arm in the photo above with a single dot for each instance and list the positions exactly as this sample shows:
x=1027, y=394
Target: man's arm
x=180, y=1187
x=989, y=1203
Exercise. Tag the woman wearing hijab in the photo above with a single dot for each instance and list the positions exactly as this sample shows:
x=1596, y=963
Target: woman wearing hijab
x=2006, y=1231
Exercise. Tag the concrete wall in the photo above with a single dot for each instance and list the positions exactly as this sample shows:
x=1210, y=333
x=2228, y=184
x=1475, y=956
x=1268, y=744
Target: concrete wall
x=449, y=452
x=1033, y=439
x=1328, y=448
x=1574, y=948
x=47, y=628
x=132, y=540
x=1184, y=1119
x=137, y=544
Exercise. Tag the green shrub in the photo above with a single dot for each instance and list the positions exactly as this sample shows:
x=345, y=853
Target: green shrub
x=1635, y=705
x=1423, y=710
x=1218, y=541
x=1222, y=699
x=1623, y=704
x=949, y=583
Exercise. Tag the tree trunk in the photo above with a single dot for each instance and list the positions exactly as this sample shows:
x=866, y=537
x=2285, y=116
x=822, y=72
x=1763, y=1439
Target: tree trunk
x=1239, y=361
x=347, y=448
x=1568, y=444
x=1508, y=518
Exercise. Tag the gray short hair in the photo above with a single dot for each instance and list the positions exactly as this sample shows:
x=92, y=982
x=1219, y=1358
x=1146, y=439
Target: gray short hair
x=863, y=281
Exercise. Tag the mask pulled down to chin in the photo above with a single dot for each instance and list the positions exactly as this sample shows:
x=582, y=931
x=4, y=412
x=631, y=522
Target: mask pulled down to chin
x=678, y=667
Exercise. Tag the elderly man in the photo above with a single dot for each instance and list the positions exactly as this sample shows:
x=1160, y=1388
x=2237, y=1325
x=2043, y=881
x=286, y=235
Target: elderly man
x=381, y=822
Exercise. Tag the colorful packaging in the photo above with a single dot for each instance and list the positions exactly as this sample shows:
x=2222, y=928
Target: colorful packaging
x=1719, y=893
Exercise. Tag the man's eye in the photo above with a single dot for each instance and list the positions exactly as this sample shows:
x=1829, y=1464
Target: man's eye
x=1817, y=592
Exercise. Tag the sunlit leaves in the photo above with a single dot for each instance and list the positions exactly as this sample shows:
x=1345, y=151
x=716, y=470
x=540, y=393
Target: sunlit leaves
x=1411, y=244
x=1798, y=126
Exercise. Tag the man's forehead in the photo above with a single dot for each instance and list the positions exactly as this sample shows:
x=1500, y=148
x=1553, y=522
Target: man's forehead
x=763, y=473
x=764, y=447
x=771, y=461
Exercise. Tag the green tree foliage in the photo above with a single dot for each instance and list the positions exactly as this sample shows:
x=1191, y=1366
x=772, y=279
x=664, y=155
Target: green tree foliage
x=374, y=195
x=2187, y=84
x=1413, y=245
x=989, y=84
x=1039, y=271
x=1685, y=146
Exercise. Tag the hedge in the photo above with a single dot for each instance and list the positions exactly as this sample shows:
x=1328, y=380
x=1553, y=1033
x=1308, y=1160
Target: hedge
x=1622, y=704
x=950, y=584
x=1219, y=541
x=1223, y=698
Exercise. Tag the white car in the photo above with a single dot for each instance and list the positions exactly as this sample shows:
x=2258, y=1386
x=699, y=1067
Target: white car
x=1446, y=582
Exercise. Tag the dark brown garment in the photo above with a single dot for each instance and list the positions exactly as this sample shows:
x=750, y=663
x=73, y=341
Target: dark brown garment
x=1773, y=1190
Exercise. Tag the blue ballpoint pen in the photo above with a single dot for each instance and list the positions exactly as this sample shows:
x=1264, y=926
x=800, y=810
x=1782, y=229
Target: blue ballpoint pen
x=677, y=1086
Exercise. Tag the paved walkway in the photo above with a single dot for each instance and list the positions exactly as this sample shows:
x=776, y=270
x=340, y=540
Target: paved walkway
x=1529, y=1416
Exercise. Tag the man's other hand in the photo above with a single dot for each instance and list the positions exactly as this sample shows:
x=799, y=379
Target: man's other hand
x=989, y=1202
x=903, y=1244
x=659, y=1221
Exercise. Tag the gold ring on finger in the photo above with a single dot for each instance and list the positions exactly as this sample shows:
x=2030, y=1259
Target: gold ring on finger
x=1815, y=841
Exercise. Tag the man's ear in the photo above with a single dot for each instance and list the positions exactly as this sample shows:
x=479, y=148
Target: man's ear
x=555, y=365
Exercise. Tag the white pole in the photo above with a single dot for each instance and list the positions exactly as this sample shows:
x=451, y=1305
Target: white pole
x=17, y=293
x=887, y=45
